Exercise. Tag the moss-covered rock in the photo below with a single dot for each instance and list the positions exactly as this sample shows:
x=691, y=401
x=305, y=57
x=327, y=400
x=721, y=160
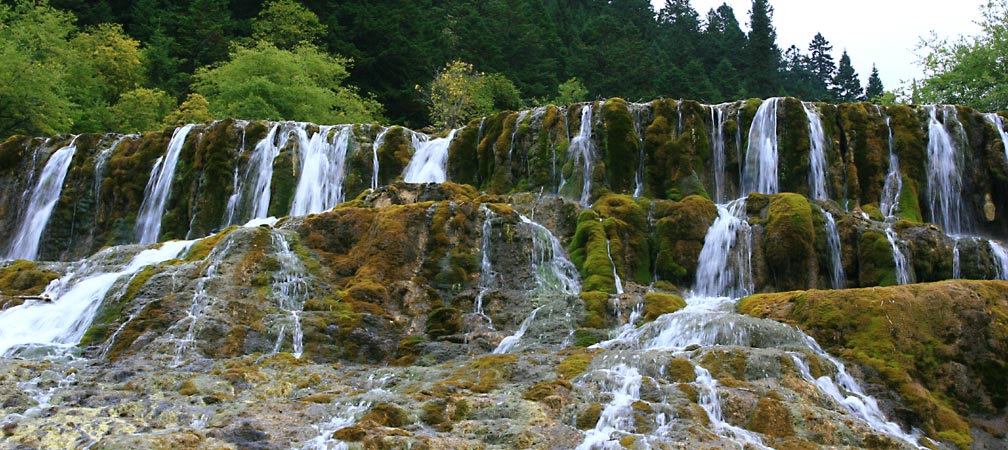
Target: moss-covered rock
x=656, y=304
x=940, y=346
x=679, y=236
x=621, y=146
x=788, y=242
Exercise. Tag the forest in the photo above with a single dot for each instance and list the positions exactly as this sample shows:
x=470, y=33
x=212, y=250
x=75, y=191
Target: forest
x=128, y=66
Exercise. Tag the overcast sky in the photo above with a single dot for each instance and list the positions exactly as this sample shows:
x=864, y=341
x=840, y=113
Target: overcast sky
x=883, y=32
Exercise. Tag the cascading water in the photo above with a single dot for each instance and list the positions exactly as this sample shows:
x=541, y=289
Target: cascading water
x=889, y=204
x=290, y=289
x=760, y=173
x=817, y=154
x=725, y=267
x=43, y=198
x=616, y=277
x=76, y=297
x=379, y=140
x=944, y=185
x=833, y=242
x=1001, y=258
x=818, y=190
x=956, y=262
x=582, y=153
x=514, y=134
x=488, y=278
x=553, y=271
x=636, y=110
x=998, y=124
x=430, y=159
x=902, y=263
x=347, y=417
x=253, y=191
x=509, y=342
x=148, y=224
x=200, y=301
x=718, y=119
x=320, y=186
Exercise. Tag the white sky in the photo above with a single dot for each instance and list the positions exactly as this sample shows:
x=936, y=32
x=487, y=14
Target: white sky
x=883, y=32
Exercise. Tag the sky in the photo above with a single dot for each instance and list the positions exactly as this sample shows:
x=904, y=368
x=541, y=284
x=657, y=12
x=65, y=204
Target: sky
x=883, y=32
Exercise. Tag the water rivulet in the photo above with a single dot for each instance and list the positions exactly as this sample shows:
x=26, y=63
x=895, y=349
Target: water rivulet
x=754, y=274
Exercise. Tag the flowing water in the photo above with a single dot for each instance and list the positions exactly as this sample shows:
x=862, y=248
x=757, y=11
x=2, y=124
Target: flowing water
x=760, y=174
x=728, y=251
x=251, y=199
x=582, y=152
x=200, y=301
x=836, y=260
x=42, y=200
x=616, y=277
x=637, y=110
x=489, y=279
x=718, y=119
x=889, y=205
x=61, y=322
x=320, y=186
x=944, y=187
x=148, y=224
x=430, y=159
x=998, y=124
x=899, y=258
x=290, y=290
x=553, y=271
x=1001, y=258
x=817, y=154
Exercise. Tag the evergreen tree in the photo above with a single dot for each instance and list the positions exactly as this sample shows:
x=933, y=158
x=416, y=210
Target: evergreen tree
x=820, y=62
x=799, y=78
x=722, y=50
x=874, y=90
x=678, y=36
x=846, y=85
x=762, y=54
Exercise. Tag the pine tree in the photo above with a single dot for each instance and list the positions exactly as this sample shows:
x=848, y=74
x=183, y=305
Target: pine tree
x=874, y=89
x=762, y=54
x=820, y=62
x=846, y=85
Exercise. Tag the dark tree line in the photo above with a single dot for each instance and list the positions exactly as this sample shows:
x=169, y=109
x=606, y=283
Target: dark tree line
x=615, y=48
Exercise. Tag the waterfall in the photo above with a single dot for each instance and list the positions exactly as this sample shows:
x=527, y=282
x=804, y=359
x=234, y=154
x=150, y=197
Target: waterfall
x=833, y=240
x=582, y=153
x=724, y=267
x=347, y=417
x=1000, y=257
x=62, y=322
x=622, y=383
x=553, y=271
x=148, y=224
x=900, y=258
x=200, y=300
x=956, y=261
x=488, y=278
x=253, y=191
x=817, y=154
x=43, y=198
x=709, y=401
x=636, y=109
x=430, y=159
x=509, y=342
x=889, y=203
x=616, y=277
x=290, y=289
x=718, y=119
x=514, y=134
x=320, y=186
x=995, y=120
x=760, y=174
x=944, y=185
x=379, y=140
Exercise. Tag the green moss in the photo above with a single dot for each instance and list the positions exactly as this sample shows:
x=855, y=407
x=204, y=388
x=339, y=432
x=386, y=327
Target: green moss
x=444, y=321
x=656, y=304
x=586, y=338
x=625, y=223
x=912, y=336
x=394, y=154
x=575, y=362
x=680, y=370
x=589, y=254
x=110, y=313
x=621, y=150
x=867, y=137
x=679, y=237
x=788, y=243
x=22, y=277
x=588, y=417
x=875, y=259
x=386, y=415
x=673, y=161
x=794, y=146
x=596, y=315
x=463, y=155
x=202, y=248
x=909, y=205
x=772, y=418
x=549, y=150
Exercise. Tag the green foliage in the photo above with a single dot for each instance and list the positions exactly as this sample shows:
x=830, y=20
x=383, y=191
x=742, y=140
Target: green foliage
x=762, y=54
x=195, y=109
x=459, y=94
x=874, y=92
x=846, y=86
x=287, y=24
x=571, y=91
x=970, y=70
x=33, y=48
x=265, y=82
x=141, y=109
